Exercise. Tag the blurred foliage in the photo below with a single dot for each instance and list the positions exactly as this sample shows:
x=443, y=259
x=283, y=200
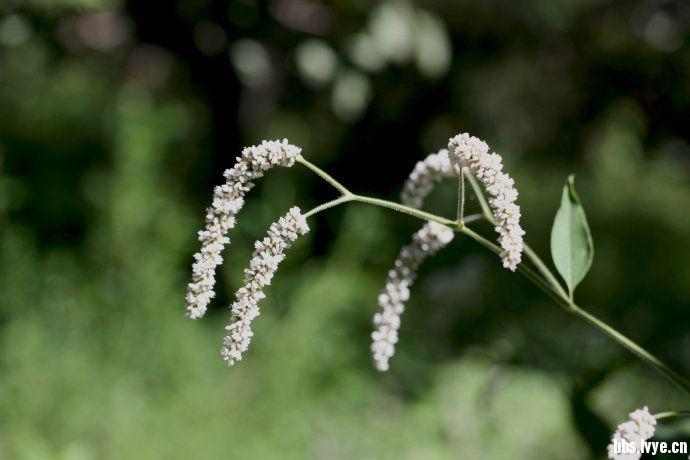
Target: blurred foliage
x=118, y=117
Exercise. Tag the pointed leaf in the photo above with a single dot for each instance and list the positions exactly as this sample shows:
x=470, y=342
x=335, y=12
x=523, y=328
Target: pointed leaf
x=572, y=248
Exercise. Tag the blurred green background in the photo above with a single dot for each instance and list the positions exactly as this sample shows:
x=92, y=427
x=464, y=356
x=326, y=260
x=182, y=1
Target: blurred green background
x=117, y=118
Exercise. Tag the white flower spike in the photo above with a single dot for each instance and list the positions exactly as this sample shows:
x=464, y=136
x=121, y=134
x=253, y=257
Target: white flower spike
x=431, y=238
x=468, y=151
x=426, y=242
x=268, y=254
x=639, y=428
x=228, y=199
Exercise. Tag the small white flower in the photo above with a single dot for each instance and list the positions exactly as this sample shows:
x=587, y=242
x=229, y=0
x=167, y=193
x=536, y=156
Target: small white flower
x=268, y=254
x=228, y=200
x=639, y=428
x=468, y=151
x=427, y=241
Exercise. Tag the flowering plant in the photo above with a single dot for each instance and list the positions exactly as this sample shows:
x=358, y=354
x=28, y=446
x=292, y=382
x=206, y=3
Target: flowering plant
x=469, y=160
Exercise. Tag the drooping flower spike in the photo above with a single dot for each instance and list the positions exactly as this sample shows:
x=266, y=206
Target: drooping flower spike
x=228, y=199
x=268, y=254
x=427, y=241
x=638, y=429
x=468, y=151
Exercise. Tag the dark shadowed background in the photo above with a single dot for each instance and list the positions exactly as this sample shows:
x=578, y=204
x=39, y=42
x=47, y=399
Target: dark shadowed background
x=117, y=118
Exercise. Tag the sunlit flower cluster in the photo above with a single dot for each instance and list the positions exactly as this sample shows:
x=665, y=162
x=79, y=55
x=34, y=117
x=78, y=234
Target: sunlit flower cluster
x=426, y=174
x=427, y=241
x=639, y=428
x=268, y=254
x=431, y=238
x=468, y=151
x=228, y=199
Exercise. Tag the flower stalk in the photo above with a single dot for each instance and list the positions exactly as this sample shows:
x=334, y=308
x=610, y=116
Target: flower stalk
x=672, y=414
x=542, y=278
x=467, y=156
x=460, y=215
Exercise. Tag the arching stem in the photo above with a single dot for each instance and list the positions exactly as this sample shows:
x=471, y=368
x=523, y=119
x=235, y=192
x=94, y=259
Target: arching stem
x=547, y=282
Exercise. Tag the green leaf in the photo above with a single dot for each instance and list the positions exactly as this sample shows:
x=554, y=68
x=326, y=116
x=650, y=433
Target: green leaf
x=572, y=248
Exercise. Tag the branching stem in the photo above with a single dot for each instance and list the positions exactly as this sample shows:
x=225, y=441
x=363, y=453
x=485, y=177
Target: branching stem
x=324, y=175
x=328, y=204
x=542, y=278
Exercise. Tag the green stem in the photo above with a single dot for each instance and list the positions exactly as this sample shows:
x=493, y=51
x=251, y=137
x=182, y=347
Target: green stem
x=536, y=260
x=633, y=348
x=472, y=218
x=328, y=205
x=324, y=175
x=404, y=209
x=391, y=205
x=479, y=194
x=460, y=215
x=548, y=284
x=672, y=414
x=544, y=270
x=563, y=300
x=522, y=268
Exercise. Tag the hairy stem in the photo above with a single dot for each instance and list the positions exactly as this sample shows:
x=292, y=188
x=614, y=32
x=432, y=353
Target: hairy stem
x=548, y=283
x=564, y=301
x=634, y=348
x=559, y=294
x=536, y=260
x=522, y=268
x=324, y=175
x=672, y=414
x=544, y=270
x=329, y=204
x=479, y=194
x=473, y=218
x=404, y=209
x=460, y=215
